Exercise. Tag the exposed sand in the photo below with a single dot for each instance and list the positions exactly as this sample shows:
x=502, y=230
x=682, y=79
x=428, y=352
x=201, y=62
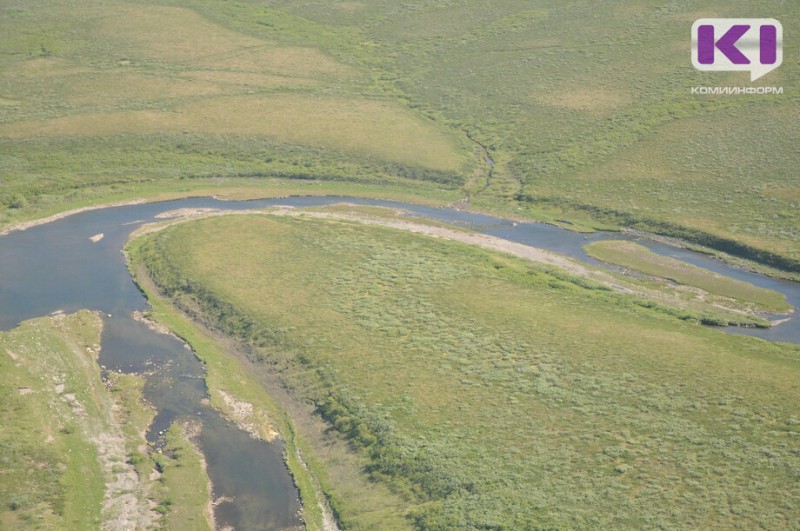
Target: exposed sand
x=183, y=212
x=248, y=419
x=152, y=325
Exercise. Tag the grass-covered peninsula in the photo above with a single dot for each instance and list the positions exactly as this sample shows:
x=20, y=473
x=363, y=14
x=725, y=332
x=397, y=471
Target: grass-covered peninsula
x=482, y=390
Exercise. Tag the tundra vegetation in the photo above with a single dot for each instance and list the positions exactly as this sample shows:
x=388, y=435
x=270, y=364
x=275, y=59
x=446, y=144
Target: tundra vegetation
x=587, y=112
x=486, y=391
x=477, y=390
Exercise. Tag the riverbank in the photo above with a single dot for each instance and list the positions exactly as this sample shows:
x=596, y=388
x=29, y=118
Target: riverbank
x=73, y=438
x=632, y=256
x=222, y=189
x=416, y=193
x=287, y=413
x=238, y=396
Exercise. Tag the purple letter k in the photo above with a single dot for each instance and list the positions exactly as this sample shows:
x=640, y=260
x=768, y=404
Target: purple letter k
x=726, y=44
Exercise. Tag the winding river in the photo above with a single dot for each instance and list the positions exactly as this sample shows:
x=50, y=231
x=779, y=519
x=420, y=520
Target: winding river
x=55, y=267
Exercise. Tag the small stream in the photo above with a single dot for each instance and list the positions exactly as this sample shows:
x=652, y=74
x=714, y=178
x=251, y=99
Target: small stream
x=54, y=267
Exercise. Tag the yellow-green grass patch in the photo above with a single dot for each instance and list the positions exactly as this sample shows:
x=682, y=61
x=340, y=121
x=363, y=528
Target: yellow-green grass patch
x=785, y=193
x=45, y=67
x=350, y=6
x=125, y=86
x=247, y=79
x=593, y=101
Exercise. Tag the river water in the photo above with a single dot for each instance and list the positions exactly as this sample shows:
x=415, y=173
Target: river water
x=54, y=267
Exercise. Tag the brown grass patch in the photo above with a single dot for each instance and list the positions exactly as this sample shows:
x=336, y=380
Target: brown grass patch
x=45, y=68
x=541, y=43
x=588, y=100
x=247, y=79
x=624, y=11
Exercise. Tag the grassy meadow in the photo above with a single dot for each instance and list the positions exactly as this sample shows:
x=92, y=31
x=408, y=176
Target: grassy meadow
x=586, y=111
x=484, y=391
x=117, y=100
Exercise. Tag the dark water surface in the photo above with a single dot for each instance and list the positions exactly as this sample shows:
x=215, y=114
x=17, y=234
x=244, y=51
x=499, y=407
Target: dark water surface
x=54, y=267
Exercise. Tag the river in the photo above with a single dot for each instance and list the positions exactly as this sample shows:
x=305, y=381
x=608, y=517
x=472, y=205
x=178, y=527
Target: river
x=55, y=267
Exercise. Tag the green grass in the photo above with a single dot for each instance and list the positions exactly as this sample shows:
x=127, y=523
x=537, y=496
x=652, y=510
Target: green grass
x=186, y=500
x=634, y=256
x=487, y=392
x=50, y=476
x=595, y=126
x=719, y=309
